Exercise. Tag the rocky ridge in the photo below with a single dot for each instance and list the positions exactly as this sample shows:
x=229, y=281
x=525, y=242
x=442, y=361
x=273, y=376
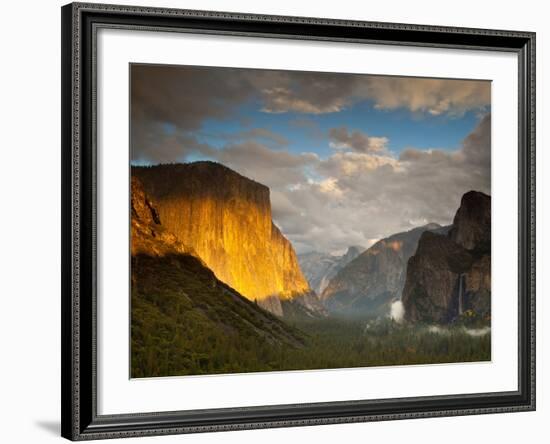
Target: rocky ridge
x=225, y=218
x=320, y=268
x=449, y=276
x=177, y=300
x=369, y=283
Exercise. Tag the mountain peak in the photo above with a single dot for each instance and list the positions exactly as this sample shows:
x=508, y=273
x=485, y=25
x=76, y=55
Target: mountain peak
x=353, y=250
x=473, y=194
x=226, y=218
x=213, y=173
x=452, y=273
x=431, y=226
x=472, y=222
x=368, y=284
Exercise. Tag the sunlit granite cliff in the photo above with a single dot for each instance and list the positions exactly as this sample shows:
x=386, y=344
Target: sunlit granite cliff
x=177, y=302
x=226, y=219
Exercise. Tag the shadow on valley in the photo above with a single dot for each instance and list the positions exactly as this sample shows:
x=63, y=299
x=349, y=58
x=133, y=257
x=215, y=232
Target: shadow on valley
x=217, y=288
x=187, y=322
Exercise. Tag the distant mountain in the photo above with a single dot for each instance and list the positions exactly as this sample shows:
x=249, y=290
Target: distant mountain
x=369, y=283
x=450, y=275
x=226, y=219
x=320, y=268
x=184, y=320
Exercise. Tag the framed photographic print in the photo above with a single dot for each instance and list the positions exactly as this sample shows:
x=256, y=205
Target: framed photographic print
x=282, y=221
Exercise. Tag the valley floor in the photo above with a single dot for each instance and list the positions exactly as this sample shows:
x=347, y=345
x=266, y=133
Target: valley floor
x=343, y=343
x=328, y=344
x=187, y=322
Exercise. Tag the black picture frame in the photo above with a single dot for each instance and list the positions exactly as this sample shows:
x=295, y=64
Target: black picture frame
x=80, y=22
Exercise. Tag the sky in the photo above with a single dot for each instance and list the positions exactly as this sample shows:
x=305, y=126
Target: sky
x=349, y=158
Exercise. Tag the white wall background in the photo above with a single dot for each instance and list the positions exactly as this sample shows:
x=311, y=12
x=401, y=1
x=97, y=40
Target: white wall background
x=30, y=221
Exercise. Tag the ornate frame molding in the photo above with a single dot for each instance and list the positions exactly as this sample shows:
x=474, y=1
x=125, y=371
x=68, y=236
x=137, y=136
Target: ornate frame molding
x=80, y=22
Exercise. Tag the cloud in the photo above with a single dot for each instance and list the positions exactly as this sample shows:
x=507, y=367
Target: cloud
x=322, y=93
x=185, y=95
x=397, y=311
x=309, y=126
x=179, y=97
x=345, y=164
x=265, y=134
x=330, y=186
x=476, y=146
x=361, y=196
x=352, y=197
x=434, y=96
x=358, y=141
x=283, y=100
x=281, y=206
x=258, y=133
x=361, y=191
x=274, y=168
x=308, y=92
x=151, y=144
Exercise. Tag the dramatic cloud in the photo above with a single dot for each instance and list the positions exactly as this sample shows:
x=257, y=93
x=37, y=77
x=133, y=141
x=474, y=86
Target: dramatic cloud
x=183, y=95
x=352, y=194
x=350, y=164
x=259, y=133
x=274, y=168
x=152, y=144
x=282, y=100
x=435, y=96
x=321, y=93
x=171, y=102
x=309, y=92
x=362, y=197
x=476, y=147
x=356, y=140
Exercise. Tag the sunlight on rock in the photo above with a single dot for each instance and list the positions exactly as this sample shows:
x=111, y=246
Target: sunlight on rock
x=395, y=245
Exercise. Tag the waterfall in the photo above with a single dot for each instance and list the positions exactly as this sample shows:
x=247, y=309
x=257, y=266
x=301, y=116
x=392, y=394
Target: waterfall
x=460, y=293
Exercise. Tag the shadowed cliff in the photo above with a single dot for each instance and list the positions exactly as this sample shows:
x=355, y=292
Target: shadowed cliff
x=449, y=277
x=367, y=285
x=320, y=268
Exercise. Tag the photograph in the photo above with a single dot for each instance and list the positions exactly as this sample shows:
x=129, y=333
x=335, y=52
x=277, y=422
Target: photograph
x=304, y=220
x=275, y=222
x=283, y=218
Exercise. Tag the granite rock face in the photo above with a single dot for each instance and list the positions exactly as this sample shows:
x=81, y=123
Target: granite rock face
x=226, y=219
x=148, y=235
x=177, y=300
x=433, y=273
x=367, y=286
x=450, y=275
x=320, y=268
x=472, y=223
